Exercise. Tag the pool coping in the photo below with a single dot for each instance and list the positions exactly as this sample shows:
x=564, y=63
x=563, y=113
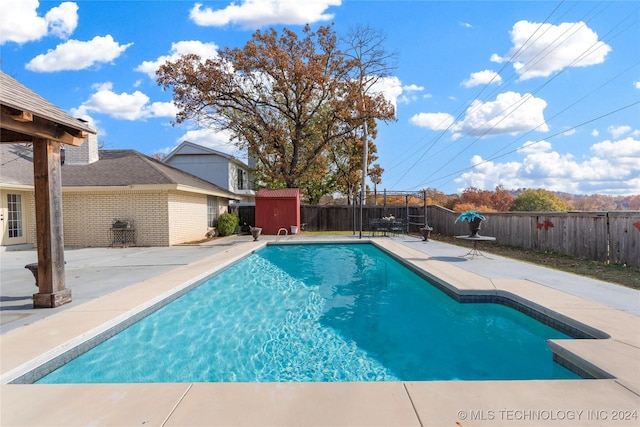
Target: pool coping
x=612, y=358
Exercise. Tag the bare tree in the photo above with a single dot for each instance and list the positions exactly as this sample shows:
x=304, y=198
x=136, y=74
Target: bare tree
x=370, y=62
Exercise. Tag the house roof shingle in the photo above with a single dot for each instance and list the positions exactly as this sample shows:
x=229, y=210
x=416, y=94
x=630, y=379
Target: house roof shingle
x=16, y=164
x=115, y=168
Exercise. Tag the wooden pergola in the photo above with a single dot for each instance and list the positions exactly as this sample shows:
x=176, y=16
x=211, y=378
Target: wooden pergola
x=29, y=118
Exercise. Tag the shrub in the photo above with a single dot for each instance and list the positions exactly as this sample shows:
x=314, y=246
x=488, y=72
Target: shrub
x=227, y=224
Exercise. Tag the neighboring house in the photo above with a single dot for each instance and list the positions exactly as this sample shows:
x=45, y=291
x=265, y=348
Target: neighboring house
x=164, y=205
x=216, y=167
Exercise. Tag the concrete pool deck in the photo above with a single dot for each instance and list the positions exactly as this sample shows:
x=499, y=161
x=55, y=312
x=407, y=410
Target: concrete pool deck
x=110, y=284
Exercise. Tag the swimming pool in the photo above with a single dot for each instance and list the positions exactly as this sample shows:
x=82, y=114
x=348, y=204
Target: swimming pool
x=320, y=313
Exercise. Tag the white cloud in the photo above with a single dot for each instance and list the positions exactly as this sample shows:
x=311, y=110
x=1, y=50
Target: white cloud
x=484, y=77
x=218, y=140
x=409, y=93
x=636, y=84
x=203, y=50
x=618, y=131
x=628, y=148
x=161, y=109
x=126, y=106
x=531, y=147
x=595, y=133
x=542, y=49
x=613, y=169
x=413, y=88
x=434, y=121
x=78, y=55
x=465, y=24
x=510, y=113
x=259, y=13
x=62, y=20
x=390, y=88
x=20, y=23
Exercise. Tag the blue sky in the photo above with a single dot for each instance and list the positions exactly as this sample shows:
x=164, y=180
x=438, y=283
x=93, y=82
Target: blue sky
x=542, y=94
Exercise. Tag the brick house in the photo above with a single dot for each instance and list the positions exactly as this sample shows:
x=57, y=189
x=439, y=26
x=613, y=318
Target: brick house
x=223, y=170
x=163, y=205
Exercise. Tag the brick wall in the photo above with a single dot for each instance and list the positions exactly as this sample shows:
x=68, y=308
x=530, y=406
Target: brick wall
x=88, y=217
x=82, y=154
x=188, y=217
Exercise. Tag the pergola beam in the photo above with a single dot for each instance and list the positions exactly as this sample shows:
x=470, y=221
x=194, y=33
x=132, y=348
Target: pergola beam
x=39, y=128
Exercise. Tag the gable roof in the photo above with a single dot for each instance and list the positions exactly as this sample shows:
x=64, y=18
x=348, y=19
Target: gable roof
x=26, y=115
x=115, y=168
x=190, y=148
x=278, y=193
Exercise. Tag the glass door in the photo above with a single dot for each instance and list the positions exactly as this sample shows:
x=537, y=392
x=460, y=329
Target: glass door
x=12, y=219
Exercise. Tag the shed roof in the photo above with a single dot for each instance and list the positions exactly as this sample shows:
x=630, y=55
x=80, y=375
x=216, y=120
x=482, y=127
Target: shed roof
x=115, y=168
x=278, y=193
x=26, y=115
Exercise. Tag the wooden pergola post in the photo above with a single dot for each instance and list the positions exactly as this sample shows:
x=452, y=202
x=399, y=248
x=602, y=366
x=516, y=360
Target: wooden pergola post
x=50, y=240
x=26, y=117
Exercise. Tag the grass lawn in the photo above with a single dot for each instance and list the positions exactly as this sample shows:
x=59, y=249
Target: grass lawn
x=613, y=273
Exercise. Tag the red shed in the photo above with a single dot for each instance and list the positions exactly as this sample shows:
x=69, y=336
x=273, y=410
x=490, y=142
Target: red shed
x=276, y=209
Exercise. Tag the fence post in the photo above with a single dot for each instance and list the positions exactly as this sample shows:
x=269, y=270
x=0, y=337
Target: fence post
x=424, y=207
x=353, y=210
x=384, y=203
x=406, y=208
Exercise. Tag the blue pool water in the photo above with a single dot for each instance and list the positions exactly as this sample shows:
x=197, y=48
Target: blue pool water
x=320, y=313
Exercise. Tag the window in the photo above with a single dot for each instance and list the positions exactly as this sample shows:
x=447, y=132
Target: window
x=212, y=211
x=242, y=177
x=14, y=205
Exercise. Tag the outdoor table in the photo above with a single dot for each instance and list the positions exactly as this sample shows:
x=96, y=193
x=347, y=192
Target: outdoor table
x=474, y=252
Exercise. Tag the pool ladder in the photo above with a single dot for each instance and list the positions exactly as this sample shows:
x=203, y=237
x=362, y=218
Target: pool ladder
x=286, y=233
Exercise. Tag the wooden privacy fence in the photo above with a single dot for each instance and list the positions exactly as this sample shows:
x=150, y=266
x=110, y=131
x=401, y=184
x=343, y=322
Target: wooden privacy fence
x=600, y=236
x=346, y=218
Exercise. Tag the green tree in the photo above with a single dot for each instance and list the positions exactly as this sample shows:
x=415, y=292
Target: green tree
x=317, y=183
x=538, y=201
x=286, y=99
x=346, y=162
x=375, y=174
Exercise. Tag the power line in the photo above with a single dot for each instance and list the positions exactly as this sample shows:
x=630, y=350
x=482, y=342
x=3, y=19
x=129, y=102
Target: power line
x=509, y=110
x=540, y=140
x=477, y=95
x=568, y=107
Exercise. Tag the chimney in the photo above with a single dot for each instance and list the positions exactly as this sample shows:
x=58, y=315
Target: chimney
x=83, y=154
